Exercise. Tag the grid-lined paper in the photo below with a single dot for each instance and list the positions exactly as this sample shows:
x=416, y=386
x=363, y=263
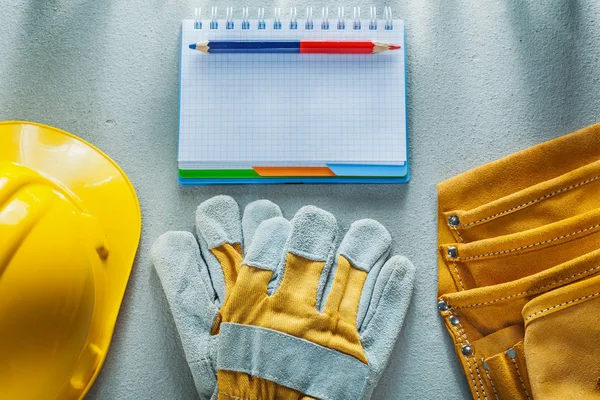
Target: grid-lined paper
x=242, y=110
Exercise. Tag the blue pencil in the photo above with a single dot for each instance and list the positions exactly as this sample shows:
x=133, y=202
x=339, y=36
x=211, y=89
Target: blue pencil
x=292, y=46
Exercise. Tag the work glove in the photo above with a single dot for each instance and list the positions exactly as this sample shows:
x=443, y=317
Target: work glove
x=198, y=273
x=305, y=322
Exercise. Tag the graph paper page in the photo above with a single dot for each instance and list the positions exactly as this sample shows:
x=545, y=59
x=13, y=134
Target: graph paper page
x=291, y=109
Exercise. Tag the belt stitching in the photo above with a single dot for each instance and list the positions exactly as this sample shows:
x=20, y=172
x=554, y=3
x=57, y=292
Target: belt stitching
x=565, y=189
x=521, y=378
x=529, y=245
x=462, y=285
x=491, y=381
x=457, y=233
x=531, y=290
x=461, y=332
x=562, y=304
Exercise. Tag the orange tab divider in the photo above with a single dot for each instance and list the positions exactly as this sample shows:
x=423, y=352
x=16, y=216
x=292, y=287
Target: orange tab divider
x=293, y=171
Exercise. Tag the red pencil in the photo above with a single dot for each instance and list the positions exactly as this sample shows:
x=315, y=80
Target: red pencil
x=293, y=46
x=345, y=47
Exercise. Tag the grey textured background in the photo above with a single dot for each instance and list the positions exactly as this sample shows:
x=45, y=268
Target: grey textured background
x=486, y=78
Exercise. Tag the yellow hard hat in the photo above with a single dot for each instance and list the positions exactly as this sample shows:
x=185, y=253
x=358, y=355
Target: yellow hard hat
x=69, y=228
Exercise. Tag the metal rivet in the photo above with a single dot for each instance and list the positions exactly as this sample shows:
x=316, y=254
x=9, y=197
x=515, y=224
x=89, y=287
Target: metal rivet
x=467, y=350
x=442, y=305
x=454, y=320
x=511, y=353
x=452, y=252
x=453, y=220
x=485, y=366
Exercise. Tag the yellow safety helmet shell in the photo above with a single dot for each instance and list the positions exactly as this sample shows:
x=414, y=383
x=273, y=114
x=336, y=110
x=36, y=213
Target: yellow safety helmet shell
x=70, y=225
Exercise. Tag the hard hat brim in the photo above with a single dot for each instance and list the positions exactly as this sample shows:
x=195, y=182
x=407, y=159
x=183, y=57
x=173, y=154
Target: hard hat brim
x=106, y=193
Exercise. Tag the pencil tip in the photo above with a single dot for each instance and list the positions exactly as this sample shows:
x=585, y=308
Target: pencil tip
x=193, y=46
x=395, y=47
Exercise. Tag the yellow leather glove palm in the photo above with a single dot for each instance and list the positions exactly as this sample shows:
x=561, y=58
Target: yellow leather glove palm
x=305, y=323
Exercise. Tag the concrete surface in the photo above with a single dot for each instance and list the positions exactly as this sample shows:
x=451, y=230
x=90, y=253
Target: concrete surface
x=486, y=78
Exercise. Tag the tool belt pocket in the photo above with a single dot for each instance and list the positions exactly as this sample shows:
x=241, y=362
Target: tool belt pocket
x=506, y=373
x=562, y=332
x=507, y=258
x=544, y=203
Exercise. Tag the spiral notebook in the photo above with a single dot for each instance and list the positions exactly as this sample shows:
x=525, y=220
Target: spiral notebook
x=285, y=118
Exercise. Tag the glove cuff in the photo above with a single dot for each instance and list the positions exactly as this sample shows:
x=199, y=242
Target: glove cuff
x=285, y=360
x=238, y=385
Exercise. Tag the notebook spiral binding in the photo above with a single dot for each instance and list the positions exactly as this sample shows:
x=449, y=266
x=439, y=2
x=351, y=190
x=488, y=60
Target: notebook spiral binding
x=309, y=24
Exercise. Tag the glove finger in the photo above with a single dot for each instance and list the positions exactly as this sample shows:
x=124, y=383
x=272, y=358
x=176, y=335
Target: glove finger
x=220, y=236
x=267, y=249
x=386, y=310
x=254, y=214
x=187, y=287
x=363, y=250
x=308, y=249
